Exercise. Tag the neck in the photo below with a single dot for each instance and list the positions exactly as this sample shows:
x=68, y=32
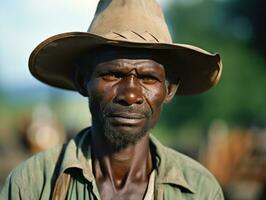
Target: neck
x=132, y=163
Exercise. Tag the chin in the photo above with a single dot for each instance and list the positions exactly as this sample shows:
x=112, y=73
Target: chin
x=122, y=136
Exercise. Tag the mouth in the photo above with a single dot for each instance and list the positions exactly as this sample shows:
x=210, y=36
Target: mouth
x=128, y=119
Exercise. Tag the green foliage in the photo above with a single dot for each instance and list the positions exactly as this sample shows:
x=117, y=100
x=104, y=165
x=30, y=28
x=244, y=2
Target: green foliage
x=239, y=97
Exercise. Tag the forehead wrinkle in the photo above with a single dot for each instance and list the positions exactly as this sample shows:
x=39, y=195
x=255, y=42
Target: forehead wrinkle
x=131, y=62
x=116, y=63
x=151, y=65
x=145, y=65
x=112, y=63
x=119, y=63
x=137, y=65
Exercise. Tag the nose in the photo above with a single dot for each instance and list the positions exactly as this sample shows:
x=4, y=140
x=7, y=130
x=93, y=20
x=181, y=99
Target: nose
x=129, y=92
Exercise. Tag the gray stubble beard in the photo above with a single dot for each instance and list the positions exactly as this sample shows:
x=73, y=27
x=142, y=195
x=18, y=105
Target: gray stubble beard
x=121, y=140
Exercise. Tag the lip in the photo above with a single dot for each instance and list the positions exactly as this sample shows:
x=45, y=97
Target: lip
x=126, y=118
x=127, y=115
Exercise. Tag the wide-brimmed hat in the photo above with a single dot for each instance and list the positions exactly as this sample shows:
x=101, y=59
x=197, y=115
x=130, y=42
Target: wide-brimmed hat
x=130, y=24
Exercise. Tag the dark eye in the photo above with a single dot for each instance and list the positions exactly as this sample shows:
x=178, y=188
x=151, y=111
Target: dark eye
x=149, y=79
x=110, y=76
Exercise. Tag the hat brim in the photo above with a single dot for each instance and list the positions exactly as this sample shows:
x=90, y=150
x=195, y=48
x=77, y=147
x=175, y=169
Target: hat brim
x=53, y=61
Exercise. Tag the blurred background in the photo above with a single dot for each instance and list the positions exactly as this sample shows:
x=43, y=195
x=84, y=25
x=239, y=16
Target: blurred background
x=224, y=128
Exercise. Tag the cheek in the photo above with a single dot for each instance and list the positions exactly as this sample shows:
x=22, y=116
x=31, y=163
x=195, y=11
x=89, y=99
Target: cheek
x=156, y=97
x=99, y=94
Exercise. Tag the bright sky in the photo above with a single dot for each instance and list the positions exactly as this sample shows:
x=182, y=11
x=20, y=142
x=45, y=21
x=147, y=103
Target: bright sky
x=25, y=23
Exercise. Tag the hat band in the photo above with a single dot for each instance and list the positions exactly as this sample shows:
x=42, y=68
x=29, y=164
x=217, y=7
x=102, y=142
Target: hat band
x=133, y=36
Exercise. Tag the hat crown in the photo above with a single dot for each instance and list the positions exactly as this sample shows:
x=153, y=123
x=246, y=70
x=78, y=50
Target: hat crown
x=130, y=20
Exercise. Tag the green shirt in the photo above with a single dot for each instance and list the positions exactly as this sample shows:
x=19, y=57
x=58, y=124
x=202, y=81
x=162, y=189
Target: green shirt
x=44, y=175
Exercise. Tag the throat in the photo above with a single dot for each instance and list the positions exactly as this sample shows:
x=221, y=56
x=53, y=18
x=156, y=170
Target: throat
x=121, y=170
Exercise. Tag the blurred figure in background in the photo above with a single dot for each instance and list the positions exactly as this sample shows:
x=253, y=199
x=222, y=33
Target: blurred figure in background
x=44, y=132
x=33, y=132
x=237, y=158
x=40, y=131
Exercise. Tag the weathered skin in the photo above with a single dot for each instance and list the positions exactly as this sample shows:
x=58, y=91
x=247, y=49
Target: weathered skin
x=126, y=93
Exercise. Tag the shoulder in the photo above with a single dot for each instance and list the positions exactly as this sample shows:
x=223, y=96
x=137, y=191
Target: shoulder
x=44, y=164
x=186, y=172
x=33, y=176
x=197, y=176
x=43, y=161
x=189, y=166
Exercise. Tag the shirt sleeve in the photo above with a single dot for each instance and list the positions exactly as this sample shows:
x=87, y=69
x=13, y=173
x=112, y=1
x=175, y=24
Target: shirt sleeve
x=33, y=178
x=10, y=190
x=25, y=181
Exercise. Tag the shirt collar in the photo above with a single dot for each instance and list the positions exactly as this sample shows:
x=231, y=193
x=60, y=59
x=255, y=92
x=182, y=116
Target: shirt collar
x=78, y=155
x=169, y=168
x=78, y=151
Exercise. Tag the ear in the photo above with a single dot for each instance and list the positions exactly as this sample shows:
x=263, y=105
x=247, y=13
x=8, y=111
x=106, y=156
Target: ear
x=171, y=91
x=80, y=83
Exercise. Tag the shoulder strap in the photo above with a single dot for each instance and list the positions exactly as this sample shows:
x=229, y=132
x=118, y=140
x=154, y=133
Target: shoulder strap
x=62, y=181
x=61, y=187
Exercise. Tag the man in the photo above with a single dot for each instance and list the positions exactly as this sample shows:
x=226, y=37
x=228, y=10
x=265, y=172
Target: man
x=128, y=67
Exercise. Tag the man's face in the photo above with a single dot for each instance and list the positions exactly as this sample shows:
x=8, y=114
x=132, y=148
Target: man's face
x=126, y=96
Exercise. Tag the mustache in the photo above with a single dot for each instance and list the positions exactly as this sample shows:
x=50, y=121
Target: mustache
x=131, y=111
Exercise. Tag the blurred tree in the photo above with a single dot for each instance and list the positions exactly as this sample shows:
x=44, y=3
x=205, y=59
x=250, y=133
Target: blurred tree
x=240, y=95
x=254, y=12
